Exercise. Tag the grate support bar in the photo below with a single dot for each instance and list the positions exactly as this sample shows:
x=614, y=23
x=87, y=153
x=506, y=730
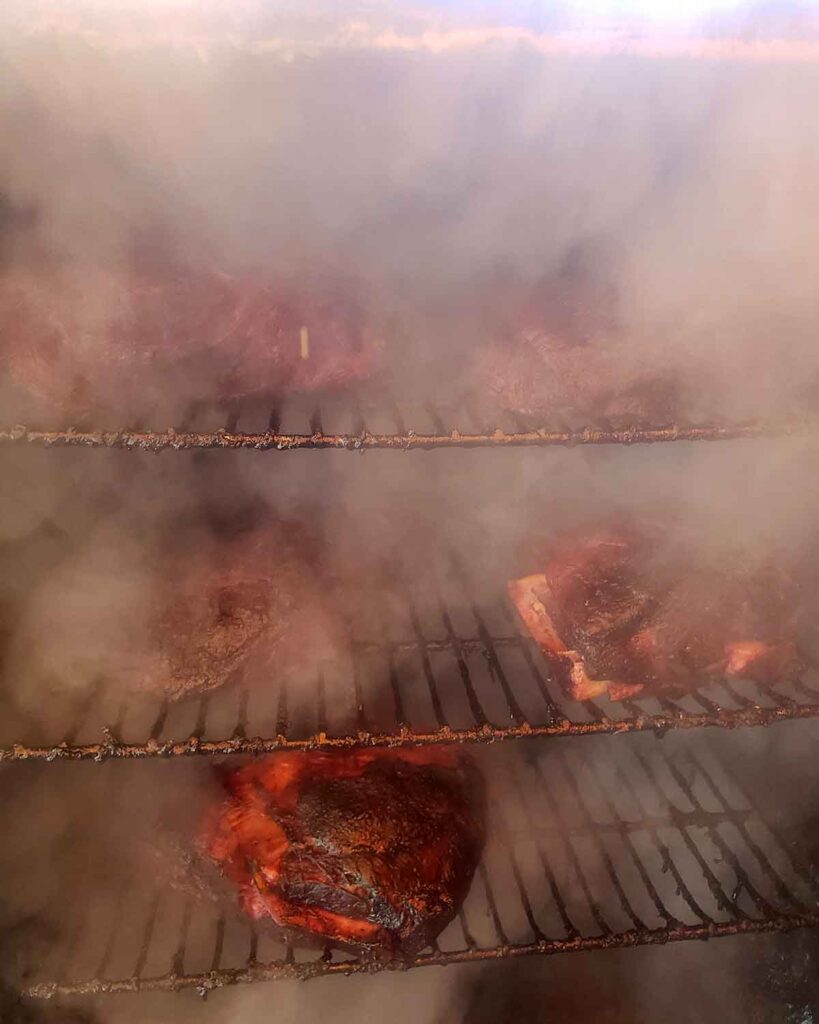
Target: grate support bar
x=270, y=440
x=279, y=971
x=112, y=748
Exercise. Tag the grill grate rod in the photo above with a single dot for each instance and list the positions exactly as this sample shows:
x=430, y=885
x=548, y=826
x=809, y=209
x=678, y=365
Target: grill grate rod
x=602, y=852
x=666, y=860
x=728, y=855
x=571, y=854
x=194, y=745
x=492, y=905
x=475, y=707
x=722, y=899
x=429, y=675
x=520, y=793
x=219, y=943
x=303, y=971
x=178, y=961
x=272, y=440
x=509, y=849
x=654, y=896
x=526, y=645
x=739, y=823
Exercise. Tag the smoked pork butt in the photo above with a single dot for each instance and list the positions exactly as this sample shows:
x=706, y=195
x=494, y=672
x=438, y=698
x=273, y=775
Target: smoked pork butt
x=373, y=849
x=257, y=599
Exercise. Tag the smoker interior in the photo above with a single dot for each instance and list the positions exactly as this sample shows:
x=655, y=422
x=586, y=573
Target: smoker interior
x=594, y=841
x=377, y=421
x=593, y=845
x=441, y=664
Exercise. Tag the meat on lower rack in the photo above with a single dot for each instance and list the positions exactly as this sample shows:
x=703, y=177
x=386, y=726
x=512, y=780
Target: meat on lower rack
x=373, y=849
x=616, y=617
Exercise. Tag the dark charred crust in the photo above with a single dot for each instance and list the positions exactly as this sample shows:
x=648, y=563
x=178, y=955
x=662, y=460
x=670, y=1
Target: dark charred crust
x=384, y=843
x=328, y=897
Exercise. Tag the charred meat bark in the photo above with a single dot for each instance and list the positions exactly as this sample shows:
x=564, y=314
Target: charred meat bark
x=374, y=849
x=616, y=618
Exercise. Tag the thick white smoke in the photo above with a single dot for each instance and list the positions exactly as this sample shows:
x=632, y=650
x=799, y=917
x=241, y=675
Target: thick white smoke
x=429, y=172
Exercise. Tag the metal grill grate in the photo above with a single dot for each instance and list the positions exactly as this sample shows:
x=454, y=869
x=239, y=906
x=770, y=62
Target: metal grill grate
x=447, y=667
x=379, y=424
x=625, y=845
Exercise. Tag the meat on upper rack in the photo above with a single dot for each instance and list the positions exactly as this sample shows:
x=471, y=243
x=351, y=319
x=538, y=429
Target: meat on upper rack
x=79, y=339
x=557, y=355
x=373, y=849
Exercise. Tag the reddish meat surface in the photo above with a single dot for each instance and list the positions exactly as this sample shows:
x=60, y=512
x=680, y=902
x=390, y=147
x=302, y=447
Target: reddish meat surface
x=189, y=615
x=371, y=848
x=542, y=377
x=85, y=338
x=557, y=354
x=257, y=599
x=616, y=617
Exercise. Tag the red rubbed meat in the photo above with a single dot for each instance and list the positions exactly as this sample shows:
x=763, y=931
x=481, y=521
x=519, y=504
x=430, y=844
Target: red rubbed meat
x=539, y=376
x=256, y=599
x=557, y=353
x=198, y=610
x=372, y=848
x=615, y=618
x=78, y=339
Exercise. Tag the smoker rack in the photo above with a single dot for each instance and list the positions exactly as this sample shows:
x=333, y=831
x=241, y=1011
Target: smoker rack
x=625, y=845
x=369, y=423
x=688, y=859
x=443, y=665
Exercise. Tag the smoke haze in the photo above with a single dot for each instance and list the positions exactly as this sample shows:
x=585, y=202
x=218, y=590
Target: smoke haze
x=691, y=185
x=437, y=179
